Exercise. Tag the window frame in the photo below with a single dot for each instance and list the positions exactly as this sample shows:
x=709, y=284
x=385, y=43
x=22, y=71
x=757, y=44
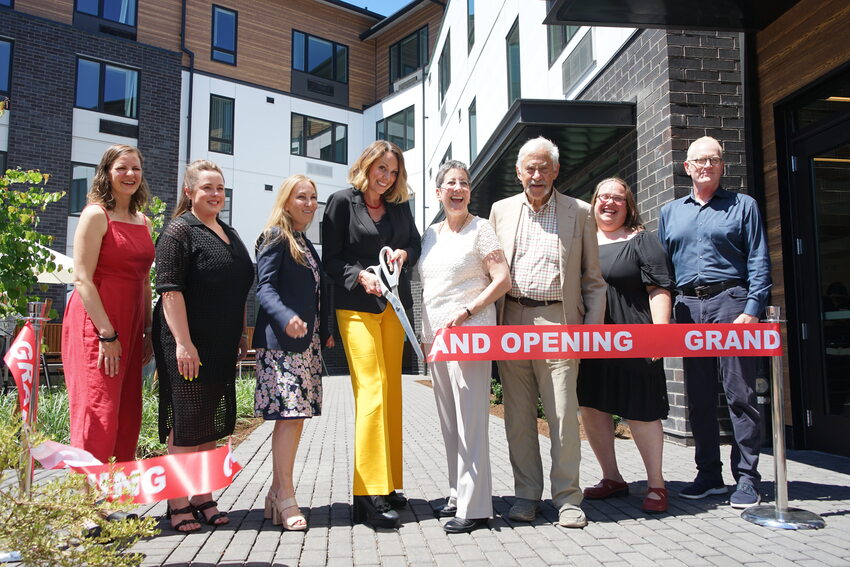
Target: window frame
x=512, y=97
x=303, y=143
x=228, y=207
x=4, y=161
x=470, y=25
x=217, y=139
x=8, y=91
x=100, y=15
x=101, y=107
x=408, y=124
x=444, y=70
x=421, y=55
x=214, y=50
x=472, y=119
x=71, y=211
x=11, y=4
x=306, y=55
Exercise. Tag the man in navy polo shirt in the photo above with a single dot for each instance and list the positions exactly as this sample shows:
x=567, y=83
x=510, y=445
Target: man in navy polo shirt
x=717, y=246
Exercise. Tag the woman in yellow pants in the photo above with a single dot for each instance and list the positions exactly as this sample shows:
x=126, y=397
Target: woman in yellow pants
x=358, y=222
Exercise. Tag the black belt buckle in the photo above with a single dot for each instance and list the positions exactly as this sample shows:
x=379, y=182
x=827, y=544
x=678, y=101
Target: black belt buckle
x=703, y=291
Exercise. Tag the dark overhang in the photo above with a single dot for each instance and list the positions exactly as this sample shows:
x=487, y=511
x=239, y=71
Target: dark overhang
x=580, y=129
x=734, y=15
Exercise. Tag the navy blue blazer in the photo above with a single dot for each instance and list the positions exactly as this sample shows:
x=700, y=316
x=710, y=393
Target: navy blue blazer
x=286, y=288
x=351, y=242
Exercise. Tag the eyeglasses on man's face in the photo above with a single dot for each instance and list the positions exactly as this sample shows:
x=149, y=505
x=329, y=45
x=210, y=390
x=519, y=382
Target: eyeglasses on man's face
x=608, y=198
x=704, y=161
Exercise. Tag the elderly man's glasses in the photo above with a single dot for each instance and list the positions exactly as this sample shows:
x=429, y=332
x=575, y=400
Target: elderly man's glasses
x=704, y=161
x=608, y=198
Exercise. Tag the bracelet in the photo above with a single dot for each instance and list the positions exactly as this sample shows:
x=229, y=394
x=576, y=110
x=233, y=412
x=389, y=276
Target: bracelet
x=244, y=335
x=108, y=339
x=468, y=312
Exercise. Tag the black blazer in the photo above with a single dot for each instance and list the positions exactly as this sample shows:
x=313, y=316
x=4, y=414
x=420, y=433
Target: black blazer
x=351, y=242
x=286, y=288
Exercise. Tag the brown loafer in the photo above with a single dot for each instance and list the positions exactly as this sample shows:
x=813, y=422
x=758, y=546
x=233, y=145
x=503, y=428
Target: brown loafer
x=655, y=505
x=606, y=488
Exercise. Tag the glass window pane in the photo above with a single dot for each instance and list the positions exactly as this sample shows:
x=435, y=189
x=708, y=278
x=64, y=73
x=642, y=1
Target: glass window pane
x=341, y=73
x=5, y=65
x=411, y=116
x=381, y=130
x=423, y=46
x=395, y=63
x=513, y=65
x=297, y=136
x=473, y=132
x=409, y=55
x=88, y=84
x=395, y=129
x=120, y=91
x=341, y=144
x=319, y=139
x=224, y=30
x=298, y=51
x=320, y=57
x=221, y=124
x=81, y=180
x=88, y=7
x=226, y=213
x=121, y=11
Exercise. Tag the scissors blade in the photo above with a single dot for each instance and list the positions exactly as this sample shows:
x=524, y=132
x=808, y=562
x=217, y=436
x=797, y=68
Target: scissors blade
x=405, y=322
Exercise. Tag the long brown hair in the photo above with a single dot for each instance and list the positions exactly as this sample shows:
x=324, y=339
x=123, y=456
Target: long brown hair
x=101, y=187
x=279, y=226
x=633, y=221
x=190, y=178
x=358, y=176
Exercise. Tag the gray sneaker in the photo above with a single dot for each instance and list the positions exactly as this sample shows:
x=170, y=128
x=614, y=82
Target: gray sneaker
x=702, y=487
x=745, y=495
x=524, y=510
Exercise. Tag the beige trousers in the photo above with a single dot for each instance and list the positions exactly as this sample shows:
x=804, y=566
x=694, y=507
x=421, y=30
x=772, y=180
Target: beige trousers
x=555, y=382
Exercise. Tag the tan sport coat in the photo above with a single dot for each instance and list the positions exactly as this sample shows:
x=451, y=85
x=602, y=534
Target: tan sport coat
x=584, y=288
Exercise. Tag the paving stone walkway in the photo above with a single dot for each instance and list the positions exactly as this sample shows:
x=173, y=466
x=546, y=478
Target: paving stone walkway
x=701, y=532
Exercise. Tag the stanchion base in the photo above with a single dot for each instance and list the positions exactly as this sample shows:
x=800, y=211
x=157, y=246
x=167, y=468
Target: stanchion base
x=788, y=519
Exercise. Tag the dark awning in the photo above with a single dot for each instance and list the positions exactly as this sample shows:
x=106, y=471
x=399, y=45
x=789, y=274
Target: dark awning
x=580, y=129
x=734, y=15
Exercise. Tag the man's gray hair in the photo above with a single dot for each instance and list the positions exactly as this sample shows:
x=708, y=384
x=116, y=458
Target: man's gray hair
x=448, y=165
x=536, y=145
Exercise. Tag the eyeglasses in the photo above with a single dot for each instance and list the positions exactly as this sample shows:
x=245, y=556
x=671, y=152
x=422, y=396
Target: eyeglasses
x=704, y=161
x=454, y=184
x=607, y=198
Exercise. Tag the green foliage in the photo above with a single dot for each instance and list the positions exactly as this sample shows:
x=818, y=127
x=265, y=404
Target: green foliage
x=47, y=526
x=496, y=392
x=156, y=212
x=21, y=260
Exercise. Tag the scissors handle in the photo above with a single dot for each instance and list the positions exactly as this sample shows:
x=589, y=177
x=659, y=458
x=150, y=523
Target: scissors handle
x=390, y=273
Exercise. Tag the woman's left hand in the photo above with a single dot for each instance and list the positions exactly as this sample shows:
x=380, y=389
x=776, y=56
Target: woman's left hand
x=398, y=258
x=243, y=348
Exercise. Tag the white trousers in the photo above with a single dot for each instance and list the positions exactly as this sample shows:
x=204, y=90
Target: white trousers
x=462, y=390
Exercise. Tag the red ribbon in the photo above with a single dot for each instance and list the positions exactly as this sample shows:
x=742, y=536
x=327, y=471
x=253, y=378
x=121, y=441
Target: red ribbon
x=533, y=342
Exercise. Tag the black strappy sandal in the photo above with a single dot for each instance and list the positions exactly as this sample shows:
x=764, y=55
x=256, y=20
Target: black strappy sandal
x=187, y=510
x=212, y=520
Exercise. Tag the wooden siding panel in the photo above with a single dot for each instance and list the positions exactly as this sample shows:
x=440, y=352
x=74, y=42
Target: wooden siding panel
x=56, y=10
x=159, y=24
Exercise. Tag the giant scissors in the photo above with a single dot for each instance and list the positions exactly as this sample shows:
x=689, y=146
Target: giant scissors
x=388, y=277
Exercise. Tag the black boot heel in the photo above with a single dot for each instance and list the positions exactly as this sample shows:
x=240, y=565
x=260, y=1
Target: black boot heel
x=376, y=512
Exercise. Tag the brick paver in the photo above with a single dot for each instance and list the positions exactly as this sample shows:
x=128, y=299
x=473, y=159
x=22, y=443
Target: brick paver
x=701, y=532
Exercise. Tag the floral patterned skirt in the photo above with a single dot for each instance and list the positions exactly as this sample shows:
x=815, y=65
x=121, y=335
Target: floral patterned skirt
x=289, y=384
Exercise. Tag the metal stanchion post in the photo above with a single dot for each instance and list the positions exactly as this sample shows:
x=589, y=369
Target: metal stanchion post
x=34, y=314
x=780, y=515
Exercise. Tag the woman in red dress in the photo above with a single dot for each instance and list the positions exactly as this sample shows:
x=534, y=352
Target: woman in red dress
x=106, y=329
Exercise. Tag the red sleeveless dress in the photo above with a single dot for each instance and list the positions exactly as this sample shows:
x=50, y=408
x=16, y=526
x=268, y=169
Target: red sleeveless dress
x=106, y=412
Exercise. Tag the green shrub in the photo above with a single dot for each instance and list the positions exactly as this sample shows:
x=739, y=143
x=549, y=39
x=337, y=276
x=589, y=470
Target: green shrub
x=496, y=391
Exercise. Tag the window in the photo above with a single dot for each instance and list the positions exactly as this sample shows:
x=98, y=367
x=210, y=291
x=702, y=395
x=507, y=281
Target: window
x=557, y=36
x=226, y=214
x=398, y=129
x=470, y=24
x=408, y=55
x=82, y=176
x=320, y=57
x=119, y=11
x=514, y=80
x=473, y=132
x=221, y=124
x=6, y=3
x=5, y=68
x=319, y=139
x=578, y=62
x=223, y=35
x=446, y=156
x=3, y=163
x=106, y=88
x=444, y=69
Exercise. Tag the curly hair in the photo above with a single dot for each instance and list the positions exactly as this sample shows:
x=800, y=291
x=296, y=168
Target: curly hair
x=101, y=187
x=358, y=176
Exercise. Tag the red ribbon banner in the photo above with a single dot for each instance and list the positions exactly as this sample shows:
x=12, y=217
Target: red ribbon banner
x=21, y=360
x=532, y=342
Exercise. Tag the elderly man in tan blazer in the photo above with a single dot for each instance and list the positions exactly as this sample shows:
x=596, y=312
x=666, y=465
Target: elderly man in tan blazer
x=550, y=244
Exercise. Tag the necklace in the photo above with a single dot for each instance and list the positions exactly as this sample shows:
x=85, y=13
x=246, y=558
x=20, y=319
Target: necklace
x=376, y=207
x=465, y=222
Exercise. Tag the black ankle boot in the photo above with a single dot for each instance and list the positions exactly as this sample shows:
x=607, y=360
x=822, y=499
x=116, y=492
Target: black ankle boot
x=376, y=512
x=396, y=500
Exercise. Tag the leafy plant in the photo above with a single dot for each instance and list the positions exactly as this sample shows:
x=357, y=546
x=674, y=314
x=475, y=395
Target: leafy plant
x=21, y=260
x=496, y=392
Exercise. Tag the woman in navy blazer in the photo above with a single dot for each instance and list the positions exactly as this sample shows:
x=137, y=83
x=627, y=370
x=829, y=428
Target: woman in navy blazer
x=358, y=222
x=293, y=322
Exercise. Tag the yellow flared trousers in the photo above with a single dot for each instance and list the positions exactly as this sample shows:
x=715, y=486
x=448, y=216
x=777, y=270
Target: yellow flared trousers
x=374, y=343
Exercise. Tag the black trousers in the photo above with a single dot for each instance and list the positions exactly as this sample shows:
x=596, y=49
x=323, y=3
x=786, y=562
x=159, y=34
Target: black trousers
x=738, y=376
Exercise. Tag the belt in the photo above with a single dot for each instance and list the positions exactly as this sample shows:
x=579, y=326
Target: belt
x=528, y=302
x=709, y=290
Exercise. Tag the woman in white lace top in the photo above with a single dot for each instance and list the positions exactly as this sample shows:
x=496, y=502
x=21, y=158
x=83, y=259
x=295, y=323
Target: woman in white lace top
x=463, y=271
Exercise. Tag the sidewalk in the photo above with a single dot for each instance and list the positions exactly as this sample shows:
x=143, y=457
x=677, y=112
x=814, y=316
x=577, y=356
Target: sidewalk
x=700, y=532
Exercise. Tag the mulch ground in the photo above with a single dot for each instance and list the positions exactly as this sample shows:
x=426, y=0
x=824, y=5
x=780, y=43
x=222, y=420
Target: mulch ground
x=621, y=432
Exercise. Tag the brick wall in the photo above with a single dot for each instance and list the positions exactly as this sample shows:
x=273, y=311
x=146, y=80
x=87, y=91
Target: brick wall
x=43, y=95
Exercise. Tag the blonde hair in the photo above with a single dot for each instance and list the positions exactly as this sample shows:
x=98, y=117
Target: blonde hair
x=633, y=221
x=279, y=226
x=101, y=187
x=358, y=176
x=190, y=178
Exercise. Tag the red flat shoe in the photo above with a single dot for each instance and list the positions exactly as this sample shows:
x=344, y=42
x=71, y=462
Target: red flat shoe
x=653, y=505
x=606, y=488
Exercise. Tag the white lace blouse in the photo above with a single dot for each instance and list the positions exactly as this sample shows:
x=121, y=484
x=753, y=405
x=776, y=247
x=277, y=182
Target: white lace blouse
x=453, y=274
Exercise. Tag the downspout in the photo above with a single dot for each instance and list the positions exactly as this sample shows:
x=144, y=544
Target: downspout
x=191, y=55
x=425, y=70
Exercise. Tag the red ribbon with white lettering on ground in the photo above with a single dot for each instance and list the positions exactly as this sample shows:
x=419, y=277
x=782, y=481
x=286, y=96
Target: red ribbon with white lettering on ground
x=148, y=480
x=21, y=360
x=532, y=342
